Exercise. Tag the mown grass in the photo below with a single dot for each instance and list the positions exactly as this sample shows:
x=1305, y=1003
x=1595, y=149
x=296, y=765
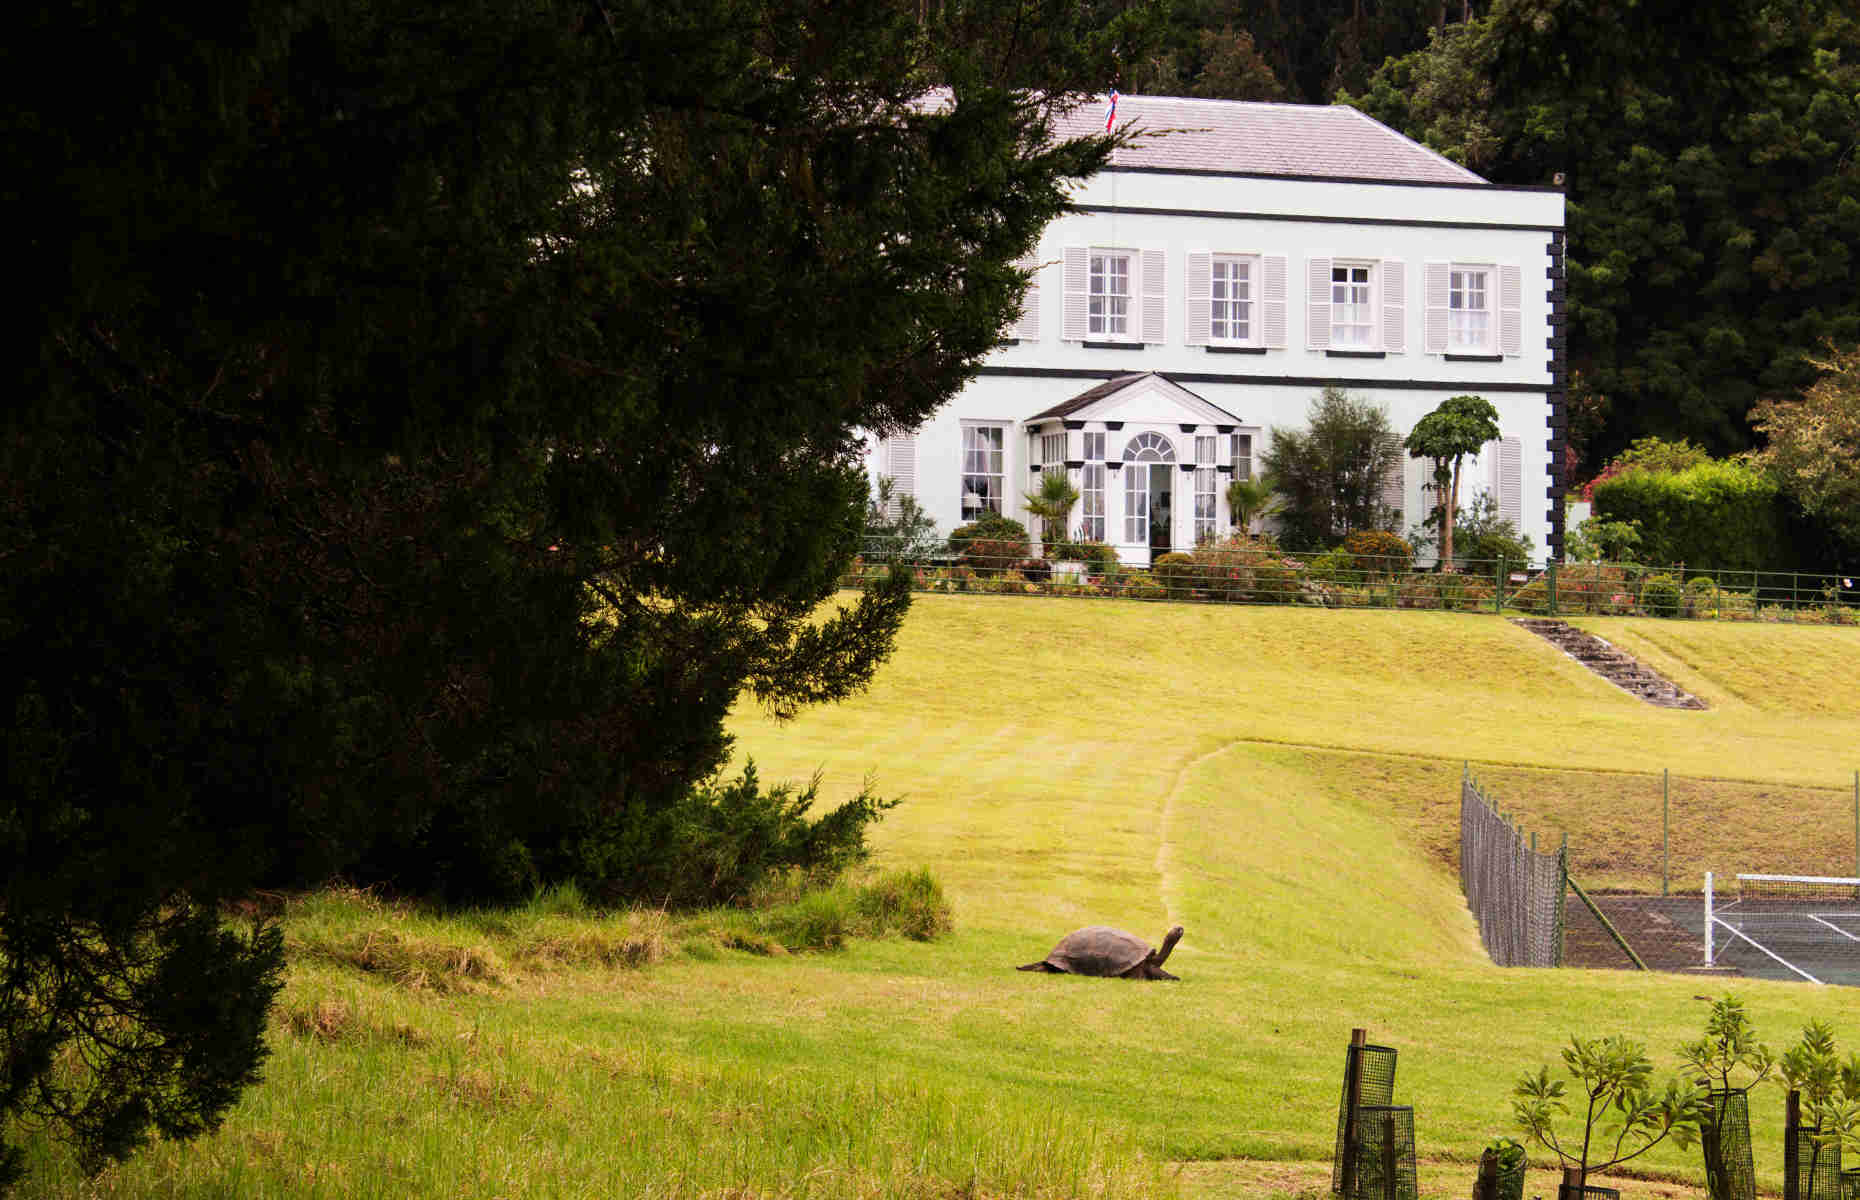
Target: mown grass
x=1272, y=779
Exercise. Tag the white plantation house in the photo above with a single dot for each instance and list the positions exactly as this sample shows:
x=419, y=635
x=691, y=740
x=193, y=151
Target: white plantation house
x=1212, y=281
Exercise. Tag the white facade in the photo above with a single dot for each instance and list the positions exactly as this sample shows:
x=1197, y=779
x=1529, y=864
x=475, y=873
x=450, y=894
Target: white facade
x=1247, y=291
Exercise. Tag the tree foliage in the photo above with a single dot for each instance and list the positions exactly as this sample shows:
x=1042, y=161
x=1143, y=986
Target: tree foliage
x=1814, y=444
x=1714, y=210
x=1330, y=473
x=427, y=429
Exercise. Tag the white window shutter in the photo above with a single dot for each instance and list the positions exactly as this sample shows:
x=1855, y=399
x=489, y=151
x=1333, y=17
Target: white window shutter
x=1077, y=281
x=1200, y=295
x=1394, y=306
x=1273, y=300
x=901, y=465
x=1437, y=274
x=1510, y=309
x=1155, y=298
x=1510, y=479
x=1027, y=328
x=1317, y=305
x=1395, y=479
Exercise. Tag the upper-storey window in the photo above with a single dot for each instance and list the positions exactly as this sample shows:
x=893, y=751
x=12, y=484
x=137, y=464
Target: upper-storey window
x=1114, y=295
x=1109, y=292
x=1474, y=309
x=1357, y=306
x=1352, y=320
x=1469, y=310
x=1233, y=299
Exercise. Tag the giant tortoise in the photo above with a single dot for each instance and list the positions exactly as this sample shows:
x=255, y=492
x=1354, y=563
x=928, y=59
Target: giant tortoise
x=1101, y=950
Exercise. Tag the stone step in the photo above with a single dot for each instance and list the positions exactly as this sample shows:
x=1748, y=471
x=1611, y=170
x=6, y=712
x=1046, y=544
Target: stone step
x=1616, y=666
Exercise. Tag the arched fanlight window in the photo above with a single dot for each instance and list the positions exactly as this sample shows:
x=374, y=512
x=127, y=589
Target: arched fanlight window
x=1148, y=448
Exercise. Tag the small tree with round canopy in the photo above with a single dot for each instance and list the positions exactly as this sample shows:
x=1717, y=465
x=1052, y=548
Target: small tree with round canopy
x=1447, y=435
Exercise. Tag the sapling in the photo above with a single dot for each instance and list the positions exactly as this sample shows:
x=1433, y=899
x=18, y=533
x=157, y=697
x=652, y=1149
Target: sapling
x=1623, y=1116
x=1829, y=1091
x=1727, y=1060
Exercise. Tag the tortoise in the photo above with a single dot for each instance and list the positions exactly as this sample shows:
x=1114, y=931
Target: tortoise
x=1101, y=950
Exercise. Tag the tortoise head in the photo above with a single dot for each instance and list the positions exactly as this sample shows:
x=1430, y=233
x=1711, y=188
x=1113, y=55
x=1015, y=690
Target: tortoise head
x=1168, y=944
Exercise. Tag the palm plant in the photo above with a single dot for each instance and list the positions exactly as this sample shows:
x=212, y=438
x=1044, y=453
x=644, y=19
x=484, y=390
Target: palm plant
x=1253, y=499
x=1052, y=503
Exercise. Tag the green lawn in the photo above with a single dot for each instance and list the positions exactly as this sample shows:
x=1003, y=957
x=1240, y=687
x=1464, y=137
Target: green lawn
x=1281, y=782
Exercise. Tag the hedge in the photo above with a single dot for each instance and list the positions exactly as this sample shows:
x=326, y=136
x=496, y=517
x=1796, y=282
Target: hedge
x=1722, y=515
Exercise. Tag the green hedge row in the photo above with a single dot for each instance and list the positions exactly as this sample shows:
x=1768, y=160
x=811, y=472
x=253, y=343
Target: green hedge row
x=1722, y=515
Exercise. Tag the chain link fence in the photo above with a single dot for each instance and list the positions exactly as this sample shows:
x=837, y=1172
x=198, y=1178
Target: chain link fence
x=1515, y=891
x=1244, y=570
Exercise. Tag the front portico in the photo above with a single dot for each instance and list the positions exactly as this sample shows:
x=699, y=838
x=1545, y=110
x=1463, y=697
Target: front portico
x=1151, y=461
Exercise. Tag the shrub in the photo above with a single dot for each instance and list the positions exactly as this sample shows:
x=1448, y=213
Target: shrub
x=1534, y=597
x=1141, y=585
x=1446, y=591
x=1719, y=514
x=1480, y=534
x=1335, y=565
x=1660, y=595
x=1178, y=573
x=1378, y=552
x=1701, y=598
x=1096, y=555
x=1246, y=569
x=726, y=839
x=991, y=544
x=1035, y=570
x=1580, y=588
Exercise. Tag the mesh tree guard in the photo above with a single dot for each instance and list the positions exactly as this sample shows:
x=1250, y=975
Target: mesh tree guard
x=1725, y=1138
x=1385, y=1154
x=1368, y=1079
x=1510, y=1185
x=1811, y=1165
x=1587, y=1192
x=1515, y=893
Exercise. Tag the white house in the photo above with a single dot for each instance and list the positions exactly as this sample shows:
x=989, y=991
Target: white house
x=1212, y=281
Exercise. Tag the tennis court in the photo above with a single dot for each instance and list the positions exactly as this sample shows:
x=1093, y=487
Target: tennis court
x=1800, y=928
x=1804, y=927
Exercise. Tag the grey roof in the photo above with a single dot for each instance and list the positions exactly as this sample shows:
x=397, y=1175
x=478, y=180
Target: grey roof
x=1085, y=399
x=1252, y=137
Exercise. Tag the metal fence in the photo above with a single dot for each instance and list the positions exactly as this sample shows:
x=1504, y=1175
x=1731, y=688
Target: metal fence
x=1252, y=571
x=1514, y=890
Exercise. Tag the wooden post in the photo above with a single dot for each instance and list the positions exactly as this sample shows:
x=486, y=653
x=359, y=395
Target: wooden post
x=1792, y=1134
x=1573, y=1186
x=1486, y=1186
x=1353, y=1093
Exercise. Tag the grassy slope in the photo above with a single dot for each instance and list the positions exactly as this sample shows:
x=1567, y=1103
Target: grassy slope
x=1063, y=763
x=1305, y=877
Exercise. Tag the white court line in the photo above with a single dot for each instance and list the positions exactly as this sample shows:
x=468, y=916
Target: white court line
x=1817, y=917
x=1759, y=945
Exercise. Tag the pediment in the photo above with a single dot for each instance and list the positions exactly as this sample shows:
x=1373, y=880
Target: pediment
x=1146, y=399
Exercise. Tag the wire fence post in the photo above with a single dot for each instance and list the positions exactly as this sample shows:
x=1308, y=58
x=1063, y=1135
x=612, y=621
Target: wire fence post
x=1708, y=918
x=1857, y=824
x=1666, y=824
